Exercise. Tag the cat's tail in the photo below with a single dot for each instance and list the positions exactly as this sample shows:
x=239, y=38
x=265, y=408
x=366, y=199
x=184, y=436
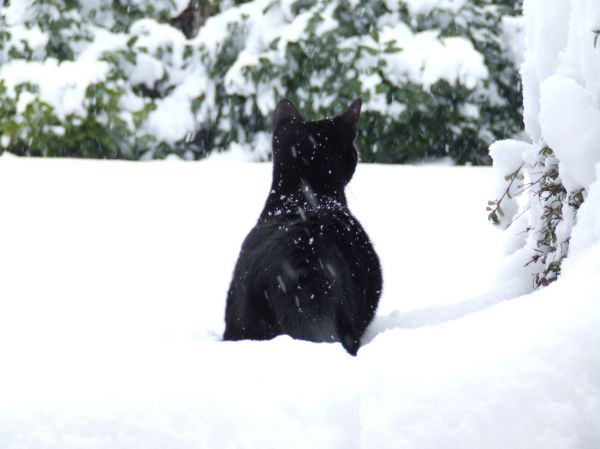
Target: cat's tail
x=347, y=334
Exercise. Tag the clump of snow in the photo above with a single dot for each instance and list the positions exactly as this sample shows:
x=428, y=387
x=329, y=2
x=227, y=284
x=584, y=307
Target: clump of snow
x=513, y=36
x=426, y=6
x=546, y=32
x=570, y=122
x=171, y=122
x=178, y=5
x=259, y=149
x=586, y=234
x=32, y=38
x=426, y=59
x=62, y=85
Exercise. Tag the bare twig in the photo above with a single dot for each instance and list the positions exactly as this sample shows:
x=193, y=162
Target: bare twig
x=497, y=209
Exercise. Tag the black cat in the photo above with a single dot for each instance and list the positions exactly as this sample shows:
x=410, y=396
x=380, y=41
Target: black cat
x=307, y=269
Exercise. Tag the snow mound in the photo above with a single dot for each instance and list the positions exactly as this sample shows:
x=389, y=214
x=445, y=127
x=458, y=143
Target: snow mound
x=113, y=281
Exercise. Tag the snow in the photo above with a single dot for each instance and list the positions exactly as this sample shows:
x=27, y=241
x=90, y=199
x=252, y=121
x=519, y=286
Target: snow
x=170, y=122
x=424, y=7
x=513, y=37
x=587, y=232
x=61, y=85
x=568, y=110
x=559, y=41
x=561, y=95
x=33, y=38
x=113, y=275
x=257, y=150
x=178, y=5
x=112, y=294
x=546, y=36
x=426, y=58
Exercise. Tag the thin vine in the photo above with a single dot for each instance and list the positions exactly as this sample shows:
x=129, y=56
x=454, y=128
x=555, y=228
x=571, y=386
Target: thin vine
x=550, y=246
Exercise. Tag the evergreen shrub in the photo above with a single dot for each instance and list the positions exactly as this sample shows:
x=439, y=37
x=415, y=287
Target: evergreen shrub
x=115, y=79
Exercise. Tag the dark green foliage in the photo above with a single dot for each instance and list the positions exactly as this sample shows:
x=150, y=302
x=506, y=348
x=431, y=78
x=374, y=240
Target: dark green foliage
x=423, y=132
x=434, y=123
x=499, y=103
x=100, y=131
x=322, y=69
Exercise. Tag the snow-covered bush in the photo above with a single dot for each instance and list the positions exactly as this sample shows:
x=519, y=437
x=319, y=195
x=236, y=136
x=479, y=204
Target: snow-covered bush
x=117, y=79
x=67, y=78
x=544, y=181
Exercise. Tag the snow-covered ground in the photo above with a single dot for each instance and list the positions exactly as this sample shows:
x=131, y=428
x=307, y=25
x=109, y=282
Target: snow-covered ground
x=112, y=290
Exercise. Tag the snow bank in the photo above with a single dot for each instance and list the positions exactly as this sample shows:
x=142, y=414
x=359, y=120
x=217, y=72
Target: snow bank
x=113, y=281
x=559, y=163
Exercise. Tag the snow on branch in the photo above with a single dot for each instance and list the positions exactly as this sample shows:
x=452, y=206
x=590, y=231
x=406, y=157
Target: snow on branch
x=559, y=163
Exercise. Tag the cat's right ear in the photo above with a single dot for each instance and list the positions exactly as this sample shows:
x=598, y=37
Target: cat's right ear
x=352, y=114
x=285, y=110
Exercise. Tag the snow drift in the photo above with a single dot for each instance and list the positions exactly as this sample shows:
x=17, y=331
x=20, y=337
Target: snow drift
x=112, y=292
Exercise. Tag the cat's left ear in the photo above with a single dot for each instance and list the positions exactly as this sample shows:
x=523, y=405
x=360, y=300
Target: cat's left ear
x=352, y=114
x=285, y=110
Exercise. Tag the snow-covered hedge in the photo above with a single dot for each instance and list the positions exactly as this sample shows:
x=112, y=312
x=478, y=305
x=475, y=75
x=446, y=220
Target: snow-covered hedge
x=116, y=79
x=544, y=181
x=71, y=73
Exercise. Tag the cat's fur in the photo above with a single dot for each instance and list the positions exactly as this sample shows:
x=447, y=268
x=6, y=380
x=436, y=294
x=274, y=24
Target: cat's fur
x=307, y=269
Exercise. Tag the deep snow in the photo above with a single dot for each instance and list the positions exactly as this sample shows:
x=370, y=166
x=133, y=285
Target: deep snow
x=112, y=289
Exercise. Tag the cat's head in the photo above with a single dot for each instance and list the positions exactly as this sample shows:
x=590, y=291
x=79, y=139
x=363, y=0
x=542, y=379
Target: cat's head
x=321, y=153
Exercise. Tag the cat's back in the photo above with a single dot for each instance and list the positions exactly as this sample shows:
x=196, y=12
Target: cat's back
x=310, y=239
